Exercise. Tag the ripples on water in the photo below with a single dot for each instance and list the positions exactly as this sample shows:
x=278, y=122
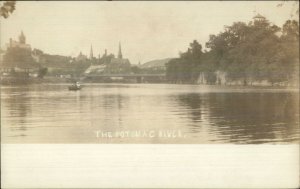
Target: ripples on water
x=49, y=113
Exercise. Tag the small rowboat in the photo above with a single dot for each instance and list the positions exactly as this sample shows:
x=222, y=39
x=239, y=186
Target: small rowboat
x=75, y=87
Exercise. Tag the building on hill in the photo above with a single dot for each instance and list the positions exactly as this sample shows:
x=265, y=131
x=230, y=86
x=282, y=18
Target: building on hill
x=19, y=44
x=18, y=58
x=259, y=17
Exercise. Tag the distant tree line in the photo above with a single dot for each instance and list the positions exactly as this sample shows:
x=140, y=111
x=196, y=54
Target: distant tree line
x=249, y=52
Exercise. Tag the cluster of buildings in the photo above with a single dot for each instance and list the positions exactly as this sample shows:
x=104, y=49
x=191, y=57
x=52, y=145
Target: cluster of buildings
x=19, y=44
x=107, y=64
x=19, y=57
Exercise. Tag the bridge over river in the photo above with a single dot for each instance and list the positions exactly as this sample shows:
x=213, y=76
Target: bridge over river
x=139, y=78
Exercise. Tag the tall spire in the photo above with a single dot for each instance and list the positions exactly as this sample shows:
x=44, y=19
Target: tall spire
x=22, y=38
x=120, y=51
x=91, y=52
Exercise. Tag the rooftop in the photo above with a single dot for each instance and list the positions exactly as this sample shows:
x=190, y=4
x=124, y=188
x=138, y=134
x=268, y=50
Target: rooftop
x=258, y=16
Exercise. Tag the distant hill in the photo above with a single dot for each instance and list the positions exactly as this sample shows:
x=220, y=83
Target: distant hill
x=155, y=63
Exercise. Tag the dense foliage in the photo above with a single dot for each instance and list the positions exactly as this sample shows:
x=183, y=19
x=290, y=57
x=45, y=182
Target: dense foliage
x=7, y=8
x=249, y=52
x=17, y=56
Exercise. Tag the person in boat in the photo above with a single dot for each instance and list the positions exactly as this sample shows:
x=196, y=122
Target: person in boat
x=77, y=84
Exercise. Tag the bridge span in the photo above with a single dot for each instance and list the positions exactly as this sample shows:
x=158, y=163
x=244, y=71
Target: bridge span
x=138, y=78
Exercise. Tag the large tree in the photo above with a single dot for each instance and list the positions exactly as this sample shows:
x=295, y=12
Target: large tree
x=184, y=69
x=7, y=8
x=249, y=52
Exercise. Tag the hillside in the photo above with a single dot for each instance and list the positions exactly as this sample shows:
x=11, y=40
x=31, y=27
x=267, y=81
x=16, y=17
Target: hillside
x=155, y=63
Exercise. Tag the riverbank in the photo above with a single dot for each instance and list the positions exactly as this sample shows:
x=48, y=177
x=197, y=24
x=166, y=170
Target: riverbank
x=60, y=80
x=8, y=80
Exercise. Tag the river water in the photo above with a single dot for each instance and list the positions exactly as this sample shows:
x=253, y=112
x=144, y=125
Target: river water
x=148, y=113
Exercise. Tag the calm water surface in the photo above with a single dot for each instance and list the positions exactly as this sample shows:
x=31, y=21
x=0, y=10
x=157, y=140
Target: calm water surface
x=148, y=113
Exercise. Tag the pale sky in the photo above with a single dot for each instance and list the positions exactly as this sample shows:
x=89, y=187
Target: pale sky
x=146, y=30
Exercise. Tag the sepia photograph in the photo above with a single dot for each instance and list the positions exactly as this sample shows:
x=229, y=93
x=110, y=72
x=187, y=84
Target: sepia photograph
x=148, y=72
x=157, y=72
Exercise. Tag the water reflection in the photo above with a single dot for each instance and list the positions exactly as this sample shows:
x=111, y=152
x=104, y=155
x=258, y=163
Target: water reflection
x=245, y=117
x=18, y=107
x=209, y=114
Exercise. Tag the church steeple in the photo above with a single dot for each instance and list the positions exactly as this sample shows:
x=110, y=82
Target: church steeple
x=22, y=38
x=91, y=52
x=120, y=51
